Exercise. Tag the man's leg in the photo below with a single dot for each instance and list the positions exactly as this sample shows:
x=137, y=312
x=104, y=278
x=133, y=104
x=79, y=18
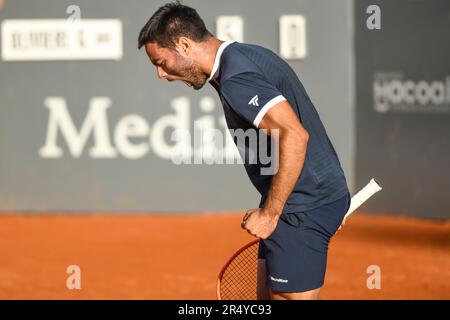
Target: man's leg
x=262, y=292
x=307, y=295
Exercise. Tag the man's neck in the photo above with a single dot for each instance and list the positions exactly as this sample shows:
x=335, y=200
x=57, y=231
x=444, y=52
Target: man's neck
x=209, y=48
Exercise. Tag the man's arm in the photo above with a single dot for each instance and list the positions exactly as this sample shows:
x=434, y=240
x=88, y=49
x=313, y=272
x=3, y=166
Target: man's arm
x=293, y=140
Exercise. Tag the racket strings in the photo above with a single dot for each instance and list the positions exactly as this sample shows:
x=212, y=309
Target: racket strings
x=239, y=280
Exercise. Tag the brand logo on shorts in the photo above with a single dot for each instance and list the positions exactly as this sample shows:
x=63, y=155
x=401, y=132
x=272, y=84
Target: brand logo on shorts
x=254, y=101
x=278, y=280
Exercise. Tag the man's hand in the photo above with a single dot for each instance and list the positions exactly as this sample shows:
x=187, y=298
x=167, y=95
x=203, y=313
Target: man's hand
x=260, y=222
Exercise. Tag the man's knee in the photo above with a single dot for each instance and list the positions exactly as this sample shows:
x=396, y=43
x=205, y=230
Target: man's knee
x=307, y=295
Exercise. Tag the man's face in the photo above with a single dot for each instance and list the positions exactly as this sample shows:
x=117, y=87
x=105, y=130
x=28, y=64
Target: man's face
x=171, y=65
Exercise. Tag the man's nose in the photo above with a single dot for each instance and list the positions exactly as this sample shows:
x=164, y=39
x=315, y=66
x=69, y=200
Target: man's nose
x=161, y=73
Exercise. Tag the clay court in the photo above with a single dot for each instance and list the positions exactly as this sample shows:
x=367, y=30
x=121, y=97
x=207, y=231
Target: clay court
x=180, y=256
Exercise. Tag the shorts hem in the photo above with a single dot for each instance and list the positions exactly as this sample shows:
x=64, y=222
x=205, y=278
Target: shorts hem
x=295, y=289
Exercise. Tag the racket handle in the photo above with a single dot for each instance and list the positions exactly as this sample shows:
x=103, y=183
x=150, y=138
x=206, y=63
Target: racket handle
x=365, y=193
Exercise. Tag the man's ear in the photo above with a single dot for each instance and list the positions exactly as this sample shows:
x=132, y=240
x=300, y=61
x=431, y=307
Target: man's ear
x=184, y=46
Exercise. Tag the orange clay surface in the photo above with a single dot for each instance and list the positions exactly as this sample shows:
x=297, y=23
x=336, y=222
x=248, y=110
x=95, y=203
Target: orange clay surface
x=180, y=256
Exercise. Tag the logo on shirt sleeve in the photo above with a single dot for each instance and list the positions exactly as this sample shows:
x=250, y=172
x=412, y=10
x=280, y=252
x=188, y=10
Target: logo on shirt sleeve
x=254, y=101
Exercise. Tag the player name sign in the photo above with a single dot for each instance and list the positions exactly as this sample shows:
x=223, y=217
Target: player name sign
x=60, y=39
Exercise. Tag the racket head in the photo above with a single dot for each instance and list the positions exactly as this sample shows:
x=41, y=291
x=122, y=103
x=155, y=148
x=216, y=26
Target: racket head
x=238, y=278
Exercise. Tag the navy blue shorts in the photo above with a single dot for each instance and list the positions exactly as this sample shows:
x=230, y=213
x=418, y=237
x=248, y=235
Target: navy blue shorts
x=296, y=252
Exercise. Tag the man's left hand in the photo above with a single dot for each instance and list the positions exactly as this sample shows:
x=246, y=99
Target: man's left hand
x=260, y=222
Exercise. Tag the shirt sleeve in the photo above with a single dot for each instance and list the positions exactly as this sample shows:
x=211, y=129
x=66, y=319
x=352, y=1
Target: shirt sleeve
x=250, y=95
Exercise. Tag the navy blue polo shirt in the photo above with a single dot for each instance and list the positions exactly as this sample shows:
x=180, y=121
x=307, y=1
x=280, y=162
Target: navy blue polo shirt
x=250, y=81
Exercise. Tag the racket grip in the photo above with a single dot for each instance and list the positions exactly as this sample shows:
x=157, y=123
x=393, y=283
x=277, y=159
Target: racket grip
x=365, y=193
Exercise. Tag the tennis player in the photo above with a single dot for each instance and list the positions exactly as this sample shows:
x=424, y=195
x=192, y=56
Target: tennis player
x=304, y=202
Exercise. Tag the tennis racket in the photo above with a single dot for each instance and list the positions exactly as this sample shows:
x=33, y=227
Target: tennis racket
x=238, y=278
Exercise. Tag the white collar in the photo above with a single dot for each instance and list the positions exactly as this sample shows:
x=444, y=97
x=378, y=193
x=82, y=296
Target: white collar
x=217, y=59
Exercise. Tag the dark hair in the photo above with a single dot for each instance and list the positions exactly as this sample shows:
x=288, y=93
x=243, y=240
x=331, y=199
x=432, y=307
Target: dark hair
x=171, y=21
